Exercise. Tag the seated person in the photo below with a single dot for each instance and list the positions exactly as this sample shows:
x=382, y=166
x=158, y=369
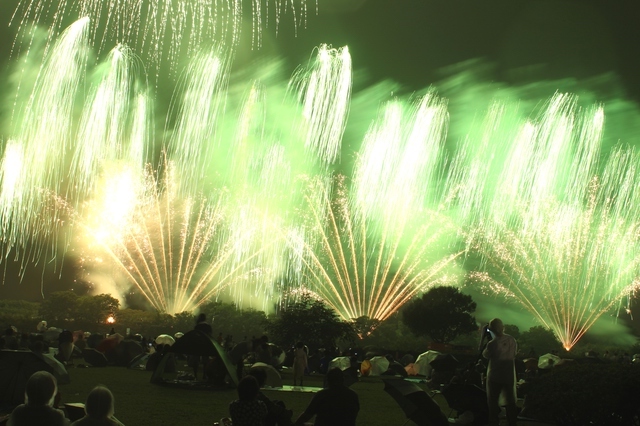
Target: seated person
x=99, y=409
x=248, y=410
x=277, y=414
x=40, y=393
x=337, y=405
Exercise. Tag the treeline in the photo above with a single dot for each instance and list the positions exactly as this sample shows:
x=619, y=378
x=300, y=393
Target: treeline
x=442, y=315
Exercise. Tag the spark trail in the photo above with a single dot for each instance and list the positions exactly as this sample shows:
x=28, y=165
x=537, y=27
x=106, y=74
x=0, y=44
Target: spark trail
x=369, y=248
x=177, y=252
x=159, y=30
x=560, y=235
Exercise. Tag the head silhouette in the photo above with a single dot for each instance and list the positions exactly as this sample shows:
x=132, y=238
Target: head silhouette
x=335, y=377
x=99, y=403
x=41, y=388
x=496, y=326
x=248, y=388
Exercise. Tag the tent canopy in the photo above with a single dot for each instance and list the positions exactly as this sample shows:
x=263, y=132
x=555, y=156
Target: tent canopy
x=197, y=343
x=17, y=366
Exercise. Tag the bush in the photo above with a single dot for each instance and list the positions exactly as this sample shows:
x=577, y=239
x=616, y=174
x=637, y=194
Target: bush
x=586, y=394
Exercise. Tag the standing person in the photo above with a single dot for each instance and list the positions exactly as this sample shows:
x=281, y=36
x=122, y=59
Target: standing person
x=300, y=363
x=203, y=326
x=501, y=373
x=337, y=405
x=194, y=360
x=99, y=409
x=40, y=395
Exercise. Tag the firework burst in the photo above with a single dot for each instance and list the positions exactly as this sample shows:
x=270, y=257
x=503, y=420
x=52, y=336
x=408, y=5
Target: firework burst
x=558, y=235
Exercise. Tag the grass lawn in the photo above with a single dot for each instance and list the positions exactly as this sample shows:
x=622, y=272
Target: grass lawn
x=138, y=402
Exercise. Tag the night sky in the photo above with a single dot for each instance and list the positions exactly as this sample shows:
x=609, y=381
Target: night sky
x=417, y=43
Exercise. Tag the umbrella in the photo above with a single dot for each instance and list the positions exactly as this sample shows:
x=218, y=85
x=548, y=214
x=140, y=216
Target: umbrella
x=365, y=367
x=165, y=339
x=277, y=354
x=341, y=362
x=110, y=343
x=127, y=351
x=178, y=335
x=239, y=351
x=462, y=397
x=396, y=369
x=379, y=365
x=411, y=370
x=273, y=377
x=547, y=361
x=57, y=368
x=93, y=340
x=422, y=365
x=415, y=402
x=51, y=335
x=94, y=357
x=444, y=362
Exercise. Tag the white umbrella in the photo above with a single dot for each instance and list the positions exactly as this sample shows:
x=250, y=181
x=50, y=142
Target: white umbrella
x=341, y=362
x=273, y=377
x=379, y=365
x=165, y=339
x=548, y=361
x=422, y=366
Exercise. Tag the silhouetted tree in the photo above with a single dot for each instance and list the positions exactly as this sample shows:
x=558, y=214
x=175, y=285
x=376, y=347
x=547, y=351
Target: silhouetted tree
x=311, y=321
x=94, y=310
x=59, y=308
x=363, y=326
x=512, y=330
x=539, y=338
x=22, y=314
x=442, y=314
x=227, y=318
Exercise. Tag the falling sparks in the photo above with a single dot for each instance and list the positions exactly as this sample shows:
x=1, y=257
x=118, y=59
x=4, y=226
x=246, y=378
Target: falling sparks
x=161, y=31
x=372, y=248
x=325, y=91
x=221, y=212
x=175, y=251
x=360, y=275
x=558, y=236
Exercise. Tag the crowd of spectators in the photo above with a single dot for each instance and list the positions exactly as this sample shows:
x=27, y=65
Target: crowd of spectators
x=252, y=407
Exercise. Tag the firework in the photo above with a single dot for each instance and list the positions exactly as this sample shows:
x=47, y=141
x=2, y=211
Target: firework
x=94, y=169
x=368, y=249
x=560, y=236
x=177, y=252
x=55, y=152
x=160, y=30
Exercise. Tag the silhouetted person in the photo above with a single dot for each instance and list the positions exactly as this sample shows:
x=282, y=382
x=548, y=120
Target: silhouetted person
x=203, y=326
x=10, y=339
x=99, y=409
x=65, y=346
x=194, y=360
x=337, y=405
x=40, y=393
x=248, y=410
x=277, y=413
x=501, y=373
x=299, y=363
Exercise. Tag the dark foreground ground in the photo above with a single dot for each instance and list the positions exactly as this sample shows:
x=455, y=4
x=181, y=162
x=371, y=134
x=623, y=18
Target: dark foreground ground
x=138, y=402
